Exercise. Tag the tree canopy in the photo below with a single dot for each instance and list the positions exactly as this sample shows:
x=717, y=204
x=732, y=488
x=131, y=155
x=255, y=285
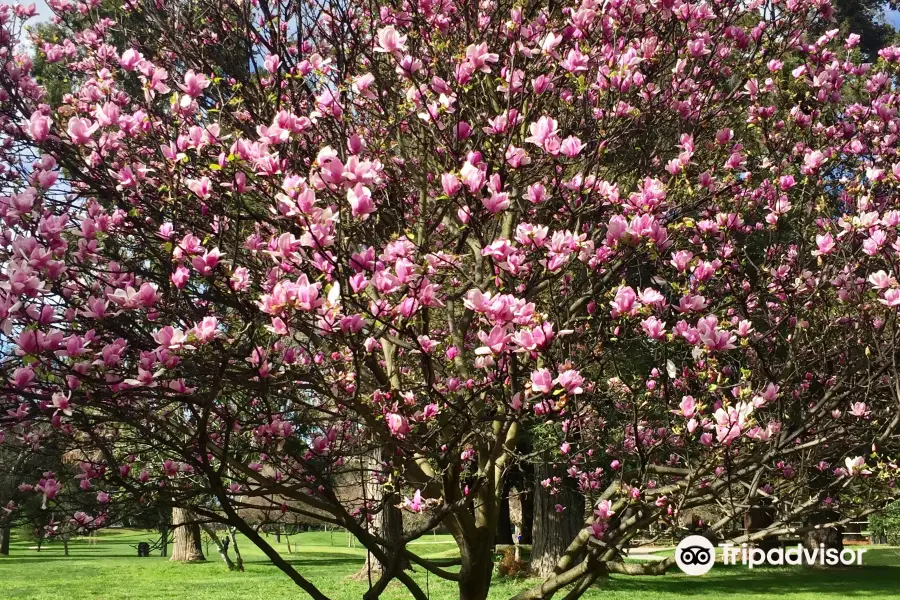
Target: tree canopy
x=337, y=259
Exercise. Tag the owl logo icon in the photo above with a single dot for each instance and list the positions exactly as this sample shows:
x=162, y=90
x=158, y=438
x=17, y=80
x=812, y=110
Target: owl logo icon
x=695, y=555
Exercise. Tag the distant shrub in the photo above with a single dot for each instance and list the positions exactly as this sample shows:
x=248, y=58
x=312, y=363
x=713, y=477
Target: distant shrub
x=510, y=566
x=887, y=523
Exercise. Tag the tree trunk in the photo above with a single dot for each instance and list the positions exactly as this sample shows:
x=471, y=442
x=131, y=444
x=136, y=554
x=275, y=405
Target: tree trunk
x=4, y=540
x=164, y=540
x=164, y=517
x=388, y=522
x=223, y=552
x=389, y=525
x=188, y=547
x=831, y=537
x=526, y=497
x=65, y=546
x=237, y=552
x=756, y=519
x=475, y=573
x=554, y=530
x=504, y=524
x=7, y=487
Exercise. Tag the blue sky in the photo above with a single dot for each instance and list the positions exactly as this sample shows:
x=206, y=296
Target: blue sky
x=43, y=9
x=43, y=13
x=893, y=17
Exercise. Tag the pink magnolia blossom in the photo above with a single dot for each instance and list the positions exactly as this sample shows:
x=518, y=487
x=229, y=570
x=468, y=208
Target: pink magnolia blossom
x=39, y=127
x=544, y=133
x=49, y=487
x=856, y=467
x=130, y=59
x=390, y=41
x=812, y=161
x=81, y=130
x=170, y=338
x=654, y=328
x=882, y=280
x=571, y=147
x=859, y=409
x=415, y=505
x=493, y=342
x=571, y=380
x=478, y=56
x=891, y=297
x=604, y=510
x=63, y=403
x=496, y=202
x=22, y=377
x=625, y=302
x=450, y=183
x=271, y=63
x=361, y=203
x=206, y=263
x=397, y=424
x=688, y=406
x=205, y=330
x=201, y=186
x=542, y=381
x=194, y=83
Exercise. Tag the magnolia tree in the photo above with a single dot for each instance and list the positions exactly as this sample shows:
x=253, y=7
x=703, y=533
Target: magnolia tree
x=339, y=259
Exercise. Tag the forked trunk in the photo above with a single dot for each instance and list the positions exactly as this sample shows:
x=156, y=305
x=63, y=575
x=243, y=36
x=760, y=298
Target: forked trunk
x=188, y=547
x=222, y=549
x=239, y=561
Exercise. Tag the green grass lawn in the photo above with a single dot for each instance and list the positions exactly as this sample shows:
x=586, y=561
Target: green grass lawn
x=109, y=569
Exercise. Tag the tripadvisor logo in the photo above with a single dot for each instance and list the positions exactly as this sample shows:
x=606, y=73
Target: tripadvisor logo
x=695, y=555
x=793, y=555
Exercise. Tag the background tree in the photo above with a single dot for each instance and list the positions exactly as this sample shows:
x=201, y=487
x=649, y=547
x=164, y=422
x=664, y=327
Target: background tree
x=187, y=546
x=869, y=20
x=559, y=515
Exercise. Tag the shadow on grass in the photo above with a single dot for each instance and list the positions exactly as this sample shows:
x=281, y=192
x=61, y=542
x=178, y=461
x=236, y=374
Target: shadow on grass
x=75, y=553
x=324, y=559
x=868, y=581
x=74, y=556
x=320, y=559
